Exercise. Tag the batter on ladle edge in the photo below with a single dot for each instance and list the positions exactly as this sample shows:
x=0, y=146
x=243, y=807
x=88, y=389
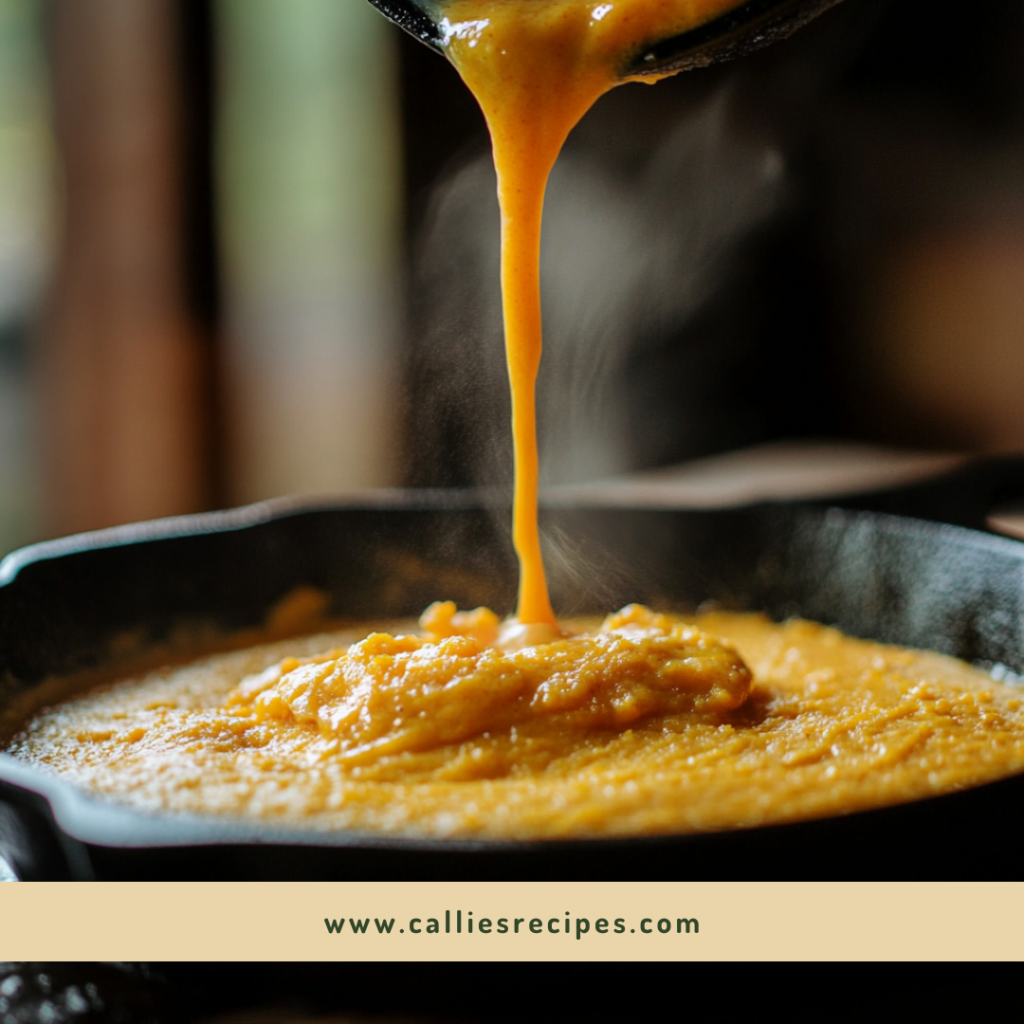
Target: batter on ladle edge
x=640, y=724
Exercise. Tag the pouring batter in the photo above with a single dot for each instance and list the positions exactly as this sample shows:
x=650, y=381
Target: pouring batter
x=536, y=68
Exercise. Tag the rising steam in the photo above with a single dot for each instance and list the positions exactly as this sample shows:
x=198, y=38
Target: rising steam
x=628, y=259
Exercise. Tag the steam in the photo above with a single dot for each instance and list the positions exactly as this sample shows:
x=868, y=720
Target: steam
x=632, y=252
x=653, y=214
x=628, y=259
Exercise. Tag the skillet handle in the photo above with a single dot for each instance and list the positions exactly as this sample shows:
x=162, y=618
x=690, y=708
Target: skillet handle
x=964, y=497
x=31, y=842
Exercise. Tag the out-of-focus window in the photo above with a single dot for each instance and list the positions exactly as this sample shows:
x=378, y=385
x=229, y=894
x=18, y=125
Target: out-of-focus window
x=121, y=360
x=26, y=200
x=309, y=185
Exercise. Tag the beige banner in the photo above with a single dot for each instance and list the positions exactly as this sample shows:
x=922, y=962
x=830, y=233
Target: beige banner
x=511, y=921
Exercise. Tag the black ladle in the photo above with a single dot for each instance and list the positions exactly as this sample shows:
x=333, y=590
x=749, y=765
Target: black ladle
x=748, y=26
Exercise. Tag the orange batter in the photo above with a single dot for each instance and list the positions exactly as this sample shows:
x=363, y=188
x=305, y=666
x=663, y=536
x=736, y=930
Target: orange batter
x=641, y=729
x=536, y=67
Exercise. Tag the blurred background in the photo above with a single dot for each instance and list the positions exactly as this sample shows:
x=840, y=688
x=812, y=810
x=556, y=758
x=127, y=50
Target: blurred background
x=249, y=248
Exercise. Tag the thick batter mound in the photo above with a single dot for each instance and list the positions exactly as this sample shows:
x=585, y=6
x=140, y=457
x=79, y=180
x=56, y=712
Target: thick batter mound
x=644, y=724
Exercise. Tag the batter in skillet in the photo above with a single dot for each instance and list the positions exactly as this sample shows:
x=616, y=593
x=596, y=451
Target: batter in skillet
x=658, y=729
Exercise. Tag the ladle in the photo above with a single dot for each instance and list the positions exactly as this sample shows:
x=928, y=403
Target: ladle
x=748, y=26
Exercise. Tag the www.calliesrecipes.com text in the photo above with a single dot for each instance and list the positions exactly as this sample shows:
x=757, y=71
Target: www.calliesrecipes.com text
x=465, y=923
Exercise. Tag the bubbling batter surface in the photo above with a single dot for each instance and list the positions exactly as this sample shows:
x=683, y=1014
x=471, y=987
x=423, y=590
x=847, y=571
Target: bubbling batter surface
x=645, y=725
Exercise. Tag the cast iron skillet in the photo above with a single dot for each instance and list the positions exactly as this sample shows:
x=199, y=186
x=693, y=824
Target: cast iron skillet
x=925, y=582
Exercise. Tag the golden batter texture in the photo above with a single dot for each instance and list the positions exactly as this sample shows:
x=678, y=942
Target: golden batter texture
x=642, y=724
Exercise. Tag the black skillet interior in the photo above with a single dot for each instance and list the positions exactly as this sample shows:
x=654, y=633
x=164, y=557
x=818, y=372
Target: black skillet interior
x=64, y=605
